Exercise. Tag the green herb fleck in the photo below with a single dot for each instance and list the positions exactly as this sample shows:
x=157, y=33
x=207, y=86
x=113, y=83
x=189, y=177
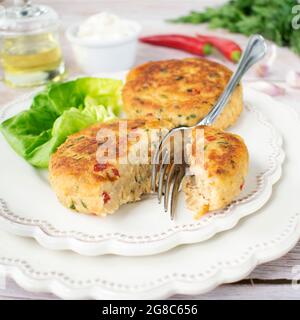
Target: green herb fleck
x=83, y=204
x=223, y=142
x=72, y=206
x=79, y=138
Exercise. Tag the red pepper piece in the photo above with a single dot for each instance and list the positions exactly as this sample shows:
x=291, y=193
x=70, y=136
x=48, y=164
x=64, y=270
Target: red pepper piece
x=115, y=172
x=100, y=167
x=105, y=197
x=210, y=138
x=181, y=42
x=230, y=49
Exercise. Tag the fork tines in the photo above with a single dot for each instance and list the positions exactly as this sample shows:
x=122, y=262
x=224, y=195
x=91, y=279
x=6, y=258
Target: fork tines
x=167, y=176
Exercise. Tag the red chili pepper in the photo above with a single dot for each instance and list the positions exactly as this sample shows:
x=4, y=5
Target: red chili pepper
x=181, y=42
x=230, y=49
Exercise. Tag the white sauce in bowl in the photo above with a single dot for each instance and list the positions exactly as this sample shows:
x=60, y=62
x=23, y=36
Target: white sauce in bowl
x=106, y=27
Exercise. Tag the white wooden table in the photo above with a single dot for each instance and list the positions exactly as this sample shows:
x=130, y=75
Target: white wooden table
x=269, y=281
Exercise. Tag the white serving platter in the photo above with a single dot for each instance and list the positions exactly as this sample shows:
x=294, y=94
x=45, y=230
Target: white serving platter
x=192, y=269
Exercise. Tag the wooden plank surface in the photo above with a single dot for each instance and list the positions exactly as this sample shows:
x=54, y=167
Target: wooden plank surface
x=269, y=281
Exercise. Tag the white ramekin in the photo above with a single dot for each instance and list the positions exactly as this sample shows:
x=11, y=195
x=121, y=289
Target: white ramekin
x=104, y=56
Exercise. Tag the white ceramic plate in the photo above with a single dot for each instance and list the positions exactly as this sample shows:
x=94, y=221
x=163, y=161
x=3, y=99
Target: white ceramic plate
x=28, y=206
x=192, y=269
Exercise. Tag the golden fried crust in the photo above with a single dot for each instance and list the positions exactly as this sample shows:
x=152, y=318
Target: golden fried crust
x=83, y=184
x=225, y=153
x=78, y=153
x=182, y=91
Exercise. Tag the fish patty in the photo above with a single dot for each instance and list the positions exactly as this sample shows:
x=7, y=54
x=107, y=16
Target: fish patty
x=181, y=91
x=86, y=182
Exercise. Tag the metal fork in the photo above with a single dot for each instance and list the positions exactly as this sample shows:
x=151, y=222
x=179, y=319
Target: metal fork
x=169, y=175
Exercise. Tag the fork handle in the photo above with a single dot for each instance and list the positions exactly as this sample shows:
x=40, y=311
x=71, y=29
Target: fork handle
x=255, y=50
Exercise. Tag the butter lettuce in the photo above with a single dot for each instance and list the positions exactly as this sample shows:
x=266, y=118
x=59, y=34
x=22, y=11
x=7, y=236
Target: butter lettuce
x=59, y=111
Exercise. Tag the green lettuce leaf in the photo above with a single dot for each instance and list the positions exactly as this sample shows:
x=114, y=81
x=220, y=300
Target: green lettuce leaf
x=59, y=111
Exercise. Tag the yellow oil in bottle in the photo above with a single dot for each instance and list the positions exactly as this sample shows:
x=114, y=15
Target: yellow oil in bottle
x=30, y=60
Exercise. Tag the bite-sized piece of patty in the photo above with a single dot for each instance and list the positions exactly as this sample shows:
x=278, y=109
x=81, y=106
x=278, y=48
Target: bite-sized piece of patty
x=220, y=175
x=181, y=91
x=86, y=182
